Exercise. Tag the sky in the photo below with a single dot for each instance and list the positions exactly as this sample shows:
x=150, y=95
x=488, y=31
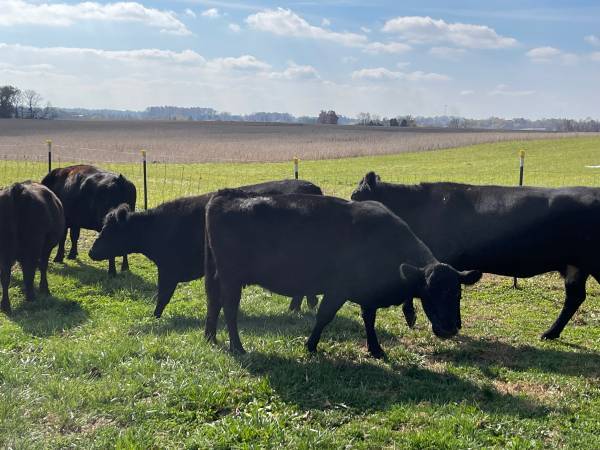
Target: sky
x=468, y=58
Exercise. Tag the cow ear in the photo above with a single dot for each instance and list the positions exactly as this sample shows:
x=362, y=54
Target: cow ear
x=469, y=277
x=122, y=213
x=121, y=178
x=371, y=179
x=411, y=275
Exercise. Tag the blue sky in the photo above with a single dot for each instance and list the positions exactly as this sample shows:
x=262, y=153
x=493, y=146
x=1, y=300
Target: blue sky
x=471, y=58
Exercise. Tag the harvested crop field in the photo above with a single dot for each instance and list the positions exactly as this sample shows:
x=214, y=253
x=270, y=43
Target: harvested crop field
x=177, y=141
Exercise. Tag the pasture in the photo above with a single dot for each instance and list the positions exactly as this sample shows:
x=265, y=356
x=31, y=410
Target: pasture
x=90, y=367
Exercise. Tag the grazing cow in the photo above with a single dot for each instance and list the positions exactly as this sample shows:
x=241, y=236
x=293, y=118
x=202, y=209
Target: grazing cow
x=513, y=231
x=31, y=224
x=172, y=236
x=88, y=194
x=295, y=244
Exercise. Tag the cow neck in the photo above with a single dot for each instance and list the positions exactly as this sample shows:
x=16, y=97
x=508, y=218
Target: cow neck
x=141, y=232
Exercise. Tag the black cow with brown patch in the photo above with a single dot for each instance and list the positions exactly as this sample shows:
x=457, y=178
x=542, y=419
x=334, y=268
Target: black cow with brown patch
x=88, y=194
x=32, y=223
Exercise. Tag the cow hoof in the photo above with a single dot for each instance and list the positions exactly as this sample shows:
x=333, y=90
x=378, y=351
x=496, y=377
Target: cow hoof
x=550, y=335
x=237, y=350
x=311, y=347
x=312, y=301
x=112, y=273
x=72, y=257
x=210, y=338
x=59, y=260
x=5, y=309
x=377, y=353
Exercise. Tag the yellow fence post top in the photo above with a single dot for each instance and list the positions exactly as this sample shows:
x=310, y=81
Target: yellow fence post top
x=143, y=152
x=296, y=159
x=522, y=154
x=49, y=141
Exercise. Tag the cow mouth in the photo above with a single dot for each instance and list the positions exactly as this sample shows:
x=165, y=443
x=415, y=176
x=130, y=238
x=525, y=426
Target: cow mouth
x=94, y=256
x=444, y=333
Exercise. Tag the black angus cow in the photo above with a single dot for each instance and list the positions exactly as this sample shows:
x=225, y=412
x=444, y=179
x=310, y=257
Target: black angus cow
x=296, y=244
x=31, y=224
x=172, y=236
x=513, y=231
x=88, y=193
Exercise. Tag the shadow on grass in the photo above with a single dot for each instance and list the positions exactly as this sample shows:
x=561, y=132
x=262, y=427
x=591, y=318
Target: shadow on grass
x=286, y=323
x=486, y=354
x=320, y=382
x=48, y=315
x=88, y=274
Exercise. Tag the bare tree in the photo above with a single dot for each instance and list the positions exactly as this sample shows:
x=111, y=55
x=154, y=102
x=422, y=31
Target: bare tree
x=8, y=101
x=32, y=102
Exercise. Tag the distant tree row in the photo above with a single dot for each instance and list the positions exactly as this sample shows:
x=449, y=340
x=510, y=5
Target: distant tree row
x=328, y=117
x=26, y=104
x=373, y=120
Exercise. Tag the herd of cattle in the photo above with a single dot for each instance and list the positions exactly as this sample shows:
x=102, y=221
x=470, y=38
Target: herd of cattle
x=389, y=244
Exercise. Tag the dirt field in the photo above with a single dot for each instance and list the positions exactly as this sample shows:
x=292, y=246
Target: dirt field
x=121, y=141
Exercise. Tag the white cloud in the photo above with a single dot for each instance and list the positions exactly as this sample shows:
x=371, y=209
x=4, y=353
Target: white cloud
x=595, y=56
x=349, y=59
x=383, y=74
x=551, y=54
x=325, y=22
x=296, y=72
x=21, y=12
x=419, y=29
x=365, y=30
x=402, y=64
x=448, y=53
x=504, y=91
x=592, y=39
x=467, y=92
x=211, y=13
x=234, y=27
x=284, y=22
x=389, y=47
x=243, y=63
x=188, y=12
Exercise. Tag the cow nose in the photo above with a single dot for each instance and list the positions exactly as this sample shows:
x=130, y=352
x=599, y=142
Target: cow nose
x=445, y=333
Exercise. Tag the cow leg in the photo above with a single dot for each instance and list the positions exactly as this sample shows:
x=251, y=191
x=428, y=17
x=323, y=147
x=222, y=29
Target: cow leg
x=28, y=268
x=5, y=280
x=60, y=254
x=213, y=309
x=230, y=299
x=74, y=238
x=575, y=281
x=125, y=264
x=312, y=301
x=112, y=267
x=166, y=288
x=296, y=303
x=369, y=315
x=44, y=269
x=329, y=307
x=408, y=308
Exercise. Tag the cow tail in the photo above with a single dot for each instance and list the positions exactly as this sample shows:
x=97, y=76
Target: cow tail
x=211, y=276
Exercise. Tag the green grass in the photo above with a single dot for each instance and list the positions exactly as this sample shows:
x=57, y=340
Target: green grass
x=88, y=367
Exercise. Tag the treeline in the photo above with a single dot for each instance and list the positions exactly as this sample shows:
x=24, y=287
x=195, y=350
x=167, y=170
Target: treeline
x=497, y=123
x=23, y=104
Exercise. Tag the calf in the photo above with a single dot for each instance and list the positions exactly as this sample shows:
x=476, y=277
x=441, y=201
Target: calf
x=513, y=231
x=296, y=244
x=88, y=194
x=172, y=236
x=31, y=224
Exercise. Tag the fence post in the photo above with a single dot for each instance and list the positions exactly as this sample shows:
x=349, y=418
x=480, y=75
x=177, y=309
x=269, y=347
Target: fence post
x=521, y=168
x=49, y=142
x=296, y=167
x=145, y=179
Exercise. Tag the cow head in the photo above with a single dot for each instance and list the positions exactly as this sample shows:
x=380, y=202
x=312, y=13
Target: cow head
x=114, y=239
x=439, y=288
x=111, y=193
x=367, y=188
